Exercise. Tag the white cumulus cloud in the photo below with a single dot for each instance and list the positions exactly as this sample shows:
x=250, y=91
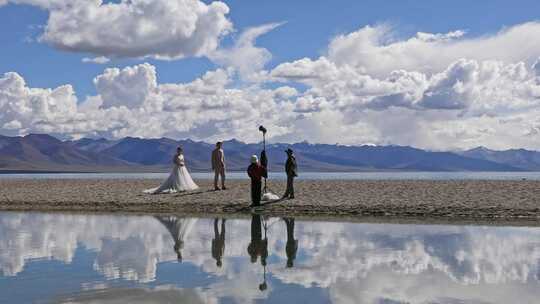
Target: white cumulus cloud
x=48, y=110
x=377, y=50
x=431, y=90
x=130, y=102
x=98, y=60
x=440, y=91
x=162, y=29
x=244, y=55
x=129, y=87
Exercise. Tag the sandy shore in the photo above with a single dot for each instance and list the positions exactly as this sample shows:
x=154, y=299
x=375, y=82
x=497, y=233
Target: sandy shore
x=447, y=200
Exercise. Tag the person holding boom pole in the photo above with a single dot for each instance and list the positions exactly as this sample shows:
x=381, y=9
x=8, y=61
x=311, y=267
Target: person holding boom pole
x=258, y=170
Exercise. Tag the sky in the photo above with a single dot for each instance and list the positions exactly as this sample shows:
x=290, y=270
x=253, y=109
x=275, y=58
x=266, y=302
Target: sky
x=430, y=74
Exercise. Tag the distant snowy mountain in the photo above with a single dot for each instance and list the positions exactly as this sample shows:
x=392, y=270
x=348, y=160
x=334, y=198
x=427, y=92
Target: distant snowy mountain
x=518, y=158
x=45, y=153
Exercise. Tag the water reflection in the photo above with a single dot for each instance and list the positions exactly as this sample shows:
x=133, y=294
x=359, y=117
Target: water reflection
x=86, y=257
x=179, y=229
x=292, y=245
x=167, y=294
x=218, y=242
x=258, y=246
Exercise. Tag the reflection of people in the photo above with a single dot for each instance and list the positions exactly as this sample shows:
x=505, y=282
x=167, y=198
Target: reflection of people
x=218, y=243
x=256, y=172
x=258, y=246
x=218, y=165
x=291, y=246
x=179, y=180
x=179, y=229
x=291, y=170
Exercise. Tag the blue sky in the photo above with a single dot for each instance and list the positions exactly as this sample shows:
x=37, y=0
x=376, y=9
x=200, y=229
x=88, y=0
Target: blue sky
x=34, y=46
x=309, y=26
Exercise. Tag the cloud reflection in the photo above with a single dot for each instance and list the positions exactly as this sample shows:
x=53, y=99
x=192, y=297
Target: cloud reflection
x=376, y=263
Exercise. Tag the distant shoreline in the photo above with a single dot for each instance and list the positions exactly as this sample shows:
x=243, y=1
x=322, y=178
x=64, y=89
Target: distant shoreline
x=444, y=201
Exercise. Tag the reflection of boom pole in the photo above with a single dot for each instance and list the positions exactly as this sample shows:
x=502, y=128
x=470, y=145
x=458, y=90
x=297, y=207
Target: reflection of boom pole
x=265, y=226
x=263, y=286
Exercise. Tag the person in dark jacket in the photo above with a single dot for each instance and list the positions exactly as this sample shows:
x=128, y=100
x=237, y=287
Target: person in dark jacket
x=256, y=172
x=291, y=170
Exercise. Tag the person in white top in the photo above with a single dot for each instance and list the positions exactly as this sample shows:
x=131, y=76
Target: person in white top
x=179, y=180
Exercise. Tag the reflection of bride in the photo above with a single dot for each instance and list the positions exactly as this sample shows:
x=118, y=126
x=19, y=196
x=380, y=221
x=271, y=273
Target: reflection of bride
x=179, y=229
x=179, y=180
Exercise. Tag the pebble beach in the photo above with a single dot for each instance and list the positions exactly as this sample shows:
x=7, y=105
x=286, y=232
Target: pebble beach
x=460, y=200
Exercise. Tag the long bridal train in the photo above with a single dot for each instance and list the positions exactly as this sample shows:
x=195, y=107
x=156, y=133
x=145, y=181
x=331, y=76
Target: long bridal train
x=179, y=180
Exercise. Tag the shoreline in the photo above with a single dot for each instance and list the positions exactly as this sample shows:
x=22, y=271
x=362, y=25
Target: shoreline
x=385, y=220
x=419, y=201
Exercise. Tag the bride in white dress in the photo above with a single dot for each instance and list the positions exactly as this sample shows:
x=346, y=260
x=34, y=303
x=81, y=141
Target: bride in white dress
x=179, y=180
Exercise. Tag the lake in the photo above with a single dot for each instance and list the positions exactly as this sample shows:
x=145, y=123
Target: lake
x=303, y=175
x=78, y=258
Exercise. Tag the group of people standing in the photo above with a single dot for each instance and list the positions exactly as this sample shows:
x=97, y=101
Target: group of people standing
x=257, y=171
x=180, y=180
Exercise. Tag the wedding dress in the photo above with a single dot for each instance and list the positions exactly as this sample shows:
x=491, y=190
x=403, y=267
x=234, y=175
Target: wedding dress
x=178, y=181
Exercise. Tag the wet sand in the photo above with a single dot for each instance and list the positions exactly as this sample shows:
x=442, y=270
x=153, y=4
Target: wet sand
x=444, y=200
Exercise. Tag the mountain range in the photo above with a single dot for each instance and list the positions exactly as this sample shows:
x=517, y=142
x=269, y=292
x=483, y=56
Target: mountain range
x=44, y=153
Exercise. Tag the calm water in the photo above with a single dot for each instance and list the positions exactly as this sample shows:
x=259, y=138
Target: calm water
x=304, y=175
x=170, y=259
